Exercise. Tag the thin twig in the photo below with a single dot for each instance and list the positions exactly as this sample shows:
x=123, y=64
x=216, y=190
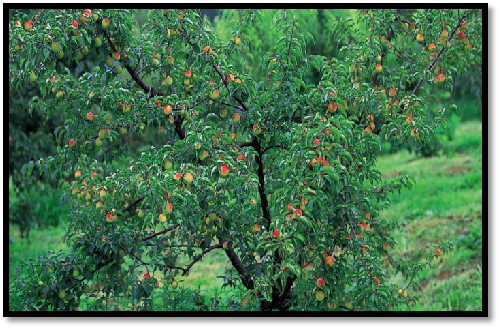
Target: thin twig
x=431, y=65
x=38, y=16
x=200, y=256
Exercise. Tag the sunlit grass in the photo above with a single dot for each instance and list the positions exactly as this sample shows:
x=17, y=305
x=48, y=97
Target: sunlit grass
x=445, y=204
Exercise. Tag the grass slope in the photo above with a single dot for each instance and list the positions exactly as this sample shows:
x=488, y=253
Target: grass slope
x=445, y=204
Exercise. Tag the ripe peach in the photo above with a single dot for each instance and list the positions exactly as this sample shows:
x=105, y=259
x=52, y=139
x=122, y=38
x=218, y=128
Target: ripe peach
x=214, y=94
x=236, y=118
x=28, y=25
x=439, y=78
x=109, y=217
x=167, y=110
x=329, y=261
x=203, y=155
x=168, y=208
x=207, y=49
x=320, y=295
x=102, y=133
x=224, y=170
x=332, y=107
x=189, y=177
x=105, y=23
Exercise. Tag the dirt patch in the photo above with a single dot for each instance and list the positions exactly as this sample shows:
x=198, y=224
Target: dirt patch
x=457, y=169
x=392, y=174
x=423, y=284
x=444, y=275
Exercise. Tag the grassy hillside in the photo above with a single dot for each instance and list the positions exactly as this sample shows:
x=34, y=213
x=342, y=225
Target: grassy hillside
x=445, y=204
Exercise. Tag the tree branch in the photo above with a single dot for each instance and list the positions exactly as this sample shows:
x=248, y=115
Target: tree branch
x=161, y=232
x=236, y=262
x=200, y=256
x=38, y=16
x=135, y=76
x=431, y=65
x=136, y=201
x=225, y=84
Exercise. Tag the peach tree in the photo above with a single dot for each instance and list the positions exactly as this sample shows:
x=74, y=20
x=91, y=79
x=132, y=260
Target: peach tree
x=279, y=173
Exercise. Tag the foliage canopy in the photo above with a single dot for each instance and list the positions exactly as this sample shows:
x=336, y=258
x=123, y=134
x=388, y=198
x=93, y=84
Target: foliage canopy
x=277, y=169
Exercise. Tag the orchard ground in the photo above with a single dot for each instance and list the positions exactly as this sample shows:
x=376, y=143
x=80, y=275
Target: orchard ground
x=445, y=203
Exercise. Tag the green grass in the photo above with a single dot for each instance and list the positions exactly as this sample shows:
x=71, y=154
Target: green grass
x=39, y=243
x=445, y=204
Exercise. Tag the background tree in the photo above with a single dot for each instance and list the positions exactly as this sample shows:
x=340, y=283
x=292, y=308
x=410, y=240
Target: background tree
x=278, y=171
